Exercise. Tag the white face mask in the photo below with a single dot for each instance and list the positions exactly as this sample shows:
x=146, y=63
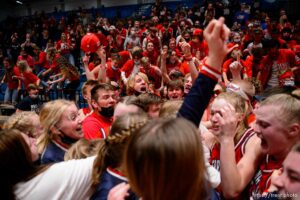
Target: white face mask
x=34, y=96
x=237, y=40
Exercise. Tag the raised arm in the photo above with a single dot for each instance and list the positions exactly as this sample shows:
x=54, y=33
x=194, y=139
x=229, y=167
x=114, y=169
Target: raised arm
x=198, y=98
x=186, y=48
x=102, y=70
x=163, y=67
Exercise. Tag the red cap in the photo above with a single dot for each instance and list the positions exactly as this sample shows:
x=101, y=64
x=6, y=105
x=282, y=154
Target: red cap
x=90, y=43
x=197, y=31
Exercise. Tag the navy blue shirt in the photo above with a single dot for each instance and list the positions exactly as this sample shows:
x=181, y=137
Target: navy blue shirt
x=53, y=153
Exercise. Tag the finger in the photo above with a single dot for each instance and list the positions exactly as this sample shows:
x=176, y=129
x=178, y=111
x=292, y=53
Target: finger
x=220, y=119
x=218, y=27
x=123, y=190
x=209, y=28
x=225, y=32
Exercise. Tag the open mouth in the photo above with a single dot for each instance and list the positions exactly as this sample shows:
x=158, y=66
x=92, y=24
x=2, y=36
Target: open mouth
x=143, y=89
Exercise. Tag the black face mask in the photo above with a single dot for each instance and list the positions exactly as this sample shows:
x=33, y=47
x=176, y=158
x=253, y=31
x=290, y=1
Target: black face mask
x=107, y=112
x=66, y=139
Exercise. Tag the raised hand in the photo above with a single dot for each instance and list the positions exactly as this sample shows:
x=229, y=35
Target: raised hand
x=101, y=53
x=228, y=122
x=216, y=35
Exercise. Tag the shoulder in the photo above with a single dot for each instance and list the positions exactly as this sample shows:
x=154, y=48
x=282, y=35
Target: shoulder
x=52, y=153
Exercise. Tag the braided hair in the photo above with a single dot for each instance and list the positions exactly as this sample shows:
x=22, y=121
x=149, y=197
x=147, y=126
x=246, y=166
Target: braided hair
x=111, y=152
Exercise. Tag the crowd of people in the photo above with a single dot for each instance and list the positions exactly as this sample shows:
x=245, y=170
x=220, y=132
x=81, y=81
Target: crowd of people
x=178, y=106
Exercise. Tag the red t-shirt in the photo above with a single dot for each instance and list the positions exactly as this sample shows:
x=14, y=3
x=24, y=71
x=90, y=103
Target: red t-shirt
x=42, y=60
x=96, y=126
x=29, y=60
x=27, y=78
x=113, y=74
x=12, y=83
x=127, y=68
x=200, y=46
x=152, y=56
x=64, y=47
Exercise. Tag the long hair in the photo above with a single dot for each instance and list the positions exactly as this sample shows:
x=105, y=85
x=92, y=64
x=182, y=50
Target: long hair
x=111, y=152
x=23, y=66
x=50, y=115
x=164, y=160
x=16, y=163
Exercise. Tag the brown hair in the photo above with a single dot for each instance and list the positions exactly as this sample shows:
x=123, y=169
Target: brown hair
x=16, y=163
x=169, y=109
x=98, y=87
x=164, y=160
x=88, y=83
x=147, y=99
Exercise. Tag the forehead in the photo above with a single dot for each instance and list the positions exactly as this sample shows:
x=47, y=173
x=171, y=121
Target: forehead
x=138, y=77
x=292, y=161
x=69, y=110
x=219, y=103
x=267, y=113
x=103, y=93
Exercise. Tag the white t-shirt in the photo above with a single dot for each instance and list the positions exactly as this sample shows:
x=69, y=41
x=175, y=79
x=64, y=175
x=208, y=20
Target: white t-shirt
x=273, y=81
x=65, y=180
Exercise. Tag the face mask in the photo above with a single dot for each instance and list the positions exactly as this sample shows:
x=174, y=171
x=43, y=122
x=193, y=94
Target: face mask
x=107, y=112
x=67, y=140
x=237, y=40
x=136, y=62
x=34, y=96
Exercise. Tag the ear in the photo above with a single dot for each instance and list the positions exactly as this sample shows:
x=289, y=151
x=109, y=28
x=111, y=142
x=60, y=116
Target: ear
x=94, y=104
x=85, y=96
x=294, y=130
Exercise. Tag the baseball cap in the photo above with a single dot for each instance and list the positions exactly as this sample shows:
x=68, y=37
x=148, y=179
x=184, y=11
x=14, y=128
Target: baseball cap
x=90, y=43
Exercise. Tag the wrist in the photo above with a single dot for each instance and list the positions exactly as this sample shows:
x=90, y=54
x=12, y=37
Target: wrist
x=215, y=62
x=210, y=71
x=226, y=140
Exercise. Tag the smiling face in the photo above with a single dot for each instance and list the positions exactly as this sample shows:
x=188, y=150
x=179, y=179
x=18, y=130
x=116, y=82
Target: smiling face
x=175, y=93
x=273, y=134
x=70, y=123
